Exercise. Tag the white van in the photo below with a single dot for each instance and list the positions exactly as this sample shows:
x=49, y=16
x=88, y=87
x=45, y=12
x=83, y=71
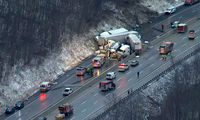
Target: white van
x=110, y=75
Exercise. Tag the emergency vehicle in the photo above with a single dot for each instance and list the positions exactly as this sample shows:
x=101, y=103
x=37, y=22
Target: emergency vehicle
x=80, y=71
x=191, y=34
x=123, y=67
x=106, y=85
x=181, y=28
x=190, y=2
x=64, y=110
x=166, y=48
x=45, y=86
x=98, y=61
x=110, y=75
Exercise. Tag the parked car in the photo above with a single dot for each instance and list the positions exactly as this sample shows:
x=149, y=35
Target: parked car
x=170, y=10
x=110, y=75
x=19, y=105
x=10, y=110
x=67, y=91
x=134, y=63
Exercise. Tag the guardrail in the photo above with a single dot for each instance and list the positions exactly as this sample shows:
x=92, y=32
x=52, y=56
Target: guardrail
x=150, y=78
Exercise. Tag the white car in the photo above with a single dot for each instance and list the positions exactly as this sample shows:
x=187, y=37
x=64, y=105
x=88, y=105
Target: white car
x=110, y=75
x=123, y=67
x=170, y=10
x=67, y=91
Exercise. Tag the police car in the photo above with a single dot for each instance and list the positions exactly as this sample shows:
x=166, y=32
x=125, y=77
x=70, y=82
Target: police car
x=110, y=75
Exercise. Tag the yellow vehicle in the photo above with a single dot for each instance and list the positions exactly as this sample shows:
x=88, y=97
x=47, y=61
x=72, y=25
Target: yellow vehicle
x=191, y=34
x=60, y=116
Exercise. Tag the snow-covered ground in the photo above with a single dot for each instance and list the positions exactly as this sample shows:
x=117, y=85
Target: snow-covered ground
x=161, y=5
x=24, y=82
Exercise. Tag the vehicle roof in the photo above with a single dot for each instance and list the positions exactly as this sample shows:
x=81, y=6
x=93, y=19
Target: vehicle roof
x=44, y=83
x=123, y=47
x=67, y=88
x=182, y=24
x=97, y=58
x=110, y=72
x=80, y=67
x=106, y=81
x=116, y=31
x=134, y=38
x=122, y=64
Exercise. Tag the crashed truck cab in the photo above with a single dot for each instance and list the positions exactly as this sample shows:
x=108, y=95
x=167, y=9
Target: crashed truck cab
x=45, y=86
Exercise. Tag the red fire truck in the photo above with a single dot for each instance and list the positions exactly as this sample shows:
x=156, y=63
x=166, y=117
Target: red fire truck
x=106, y=85
x=166, y=48
x=181, y=28
x=190, y=2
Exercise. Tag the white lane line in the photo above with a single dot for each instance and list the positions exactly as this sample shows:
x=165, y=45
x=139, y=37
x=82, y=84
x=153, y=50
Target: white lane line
x=168, y=76
x=95, y=94
x=107, y=95
x=95, y=102
x=84, y=102
x=118, y=87
x=129, y=80
x=118, y=79
x=197, y=37
x=83, y=110
x=184, y=37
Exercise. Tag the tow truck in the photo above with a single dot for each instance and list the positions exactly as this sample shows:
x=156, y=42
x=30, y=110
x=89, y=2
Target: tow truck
x=123, y=67
x=64, y=110
x=107, y=85
x=191, y=35
x=166, y=48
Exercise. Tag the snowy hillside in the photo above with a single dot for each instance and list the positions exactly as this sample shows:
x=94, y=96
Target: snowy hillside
x=22, y=80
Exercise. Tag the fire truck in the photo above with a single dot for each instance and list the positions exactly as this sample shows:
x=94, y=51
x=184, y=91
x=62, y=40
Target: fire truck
x=98, y=61
x=190, y=2
x=64, y=110
x=166, y=48
x=181, y=28
x=106, y=85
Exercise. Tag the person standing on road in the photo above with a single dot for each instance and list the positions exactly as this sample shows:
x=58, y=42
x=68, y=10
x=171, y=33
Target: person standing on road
x=138, y=74
x=162, y=28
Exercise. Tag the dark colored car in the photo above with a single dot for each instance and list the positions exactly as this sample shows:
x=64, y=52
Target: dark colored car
x=42, y=118
x=10, y=110
x=19, y=105
x=134, y=63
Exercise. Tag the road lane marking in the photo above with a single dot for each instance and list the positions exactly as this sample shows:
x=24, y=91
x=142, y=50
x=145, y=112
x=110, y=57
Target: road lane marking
x=84, y=102
x=83, y=110
x=118, y=79
x=95, y=94
x=118, y=87
x=107, y=95
x=129, y=80
x=128, y=72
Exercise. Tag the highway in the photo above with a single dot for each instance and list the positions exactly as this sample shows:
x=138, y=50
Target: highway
x=92, y=99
